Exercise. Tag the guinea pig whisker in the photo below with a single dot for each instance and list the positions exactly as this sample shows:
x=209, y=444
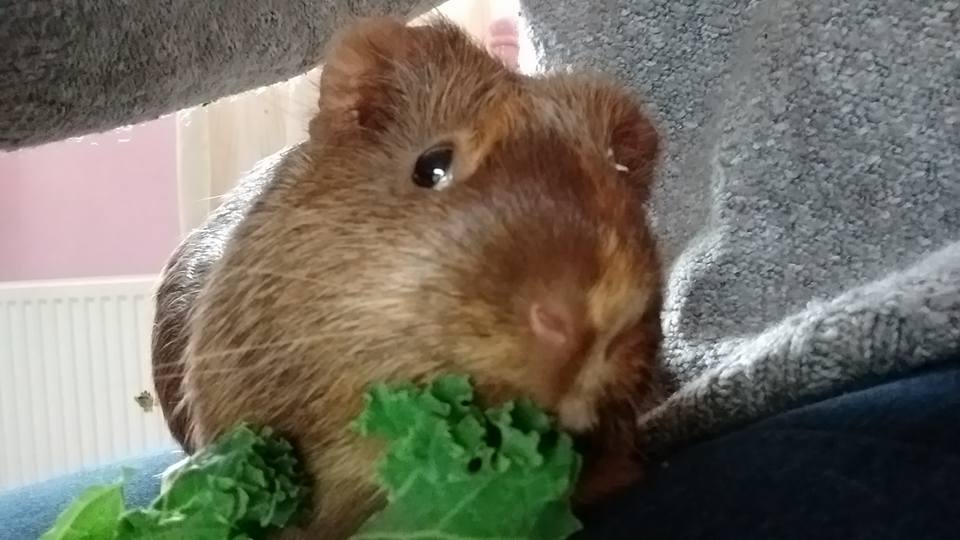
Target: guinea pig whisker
x=213, y=371
x=422, y=287
x=272, y=273
x=275, y=344
x=424, y=332
x=288, y=213
x=227, y=369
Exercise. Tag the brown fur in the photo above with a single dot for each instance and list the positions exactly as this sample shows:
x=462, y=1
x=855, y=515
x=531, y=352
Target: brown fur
x=342, y=272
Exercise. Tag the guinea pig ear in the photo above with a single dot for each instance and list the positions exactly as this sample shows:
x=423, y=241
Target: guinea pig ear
x=355, y=90
x=634, y=144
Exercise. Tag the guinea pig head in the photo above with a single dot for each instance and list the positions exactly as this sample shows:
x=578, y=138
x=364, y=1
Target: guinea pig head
x=456, y=217
x=517, y=235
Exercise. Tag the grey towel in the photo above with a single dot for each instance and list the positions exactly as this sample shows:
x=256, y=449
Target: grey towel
x=809, y=202
x=71, y=67
x=810, y=199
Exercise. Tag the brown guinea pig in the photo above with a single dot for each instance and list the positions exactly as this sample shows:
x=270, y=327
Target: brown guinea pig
x=447, y=215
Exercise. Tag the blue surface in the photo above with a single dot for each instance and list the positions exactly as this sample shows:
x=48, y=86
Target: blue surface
x=881, y=463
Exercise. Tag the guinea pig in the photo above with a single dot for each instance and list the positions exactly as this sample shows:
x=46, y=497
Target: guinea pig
x=447, y=215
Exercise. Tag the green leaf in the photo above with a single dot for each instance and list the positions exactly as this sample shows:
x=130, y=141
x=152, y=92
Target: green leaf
x=455, y=471
x=451, y=470
x=92, y=516
x=245, y=485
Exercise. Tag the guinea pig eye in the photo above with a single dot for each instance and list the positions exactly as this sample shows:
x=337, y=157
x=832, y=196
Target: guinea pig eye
x=433, y=167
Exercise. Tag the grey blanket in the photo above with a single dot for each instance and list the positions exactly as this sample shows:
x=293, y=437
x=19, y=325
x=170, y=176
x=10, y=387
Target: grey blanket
x=809, y=202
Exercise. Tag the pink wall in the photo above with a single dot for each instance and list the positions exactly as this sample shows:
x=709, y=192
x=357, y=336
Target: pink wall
x=101, y=205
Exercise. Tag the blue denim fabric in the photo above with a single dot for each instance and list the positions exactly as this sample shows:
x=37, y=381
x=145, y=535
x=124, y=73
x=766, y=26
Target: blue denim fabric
x=879, y=463
x=26, y=513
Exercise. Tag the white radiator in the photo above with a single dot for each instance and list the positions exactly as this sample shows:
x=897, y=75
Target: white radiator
x=74, y=355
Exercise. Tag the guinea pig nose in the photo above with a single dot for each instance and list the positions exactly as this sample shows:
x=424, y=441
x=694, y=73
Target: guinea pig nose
x=552, y=324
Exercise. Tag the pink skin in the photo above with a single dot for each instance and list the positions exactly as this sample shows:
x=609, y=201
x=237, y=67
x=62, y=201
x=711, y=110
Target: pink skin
x=503, y=41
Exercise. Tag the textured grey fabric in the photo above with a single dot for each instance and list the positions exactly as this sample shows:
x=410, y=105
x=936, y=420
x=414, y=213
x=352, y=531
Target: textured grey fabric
x=71, y=67
x=812, y=170
x=809, y=200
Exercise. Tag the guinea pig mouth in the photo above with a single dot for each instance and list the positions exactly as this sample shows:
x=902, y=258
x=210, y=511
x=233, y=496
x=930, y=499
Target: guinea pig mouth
x=582, y=444
x=587, y=444
x=578, y=410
